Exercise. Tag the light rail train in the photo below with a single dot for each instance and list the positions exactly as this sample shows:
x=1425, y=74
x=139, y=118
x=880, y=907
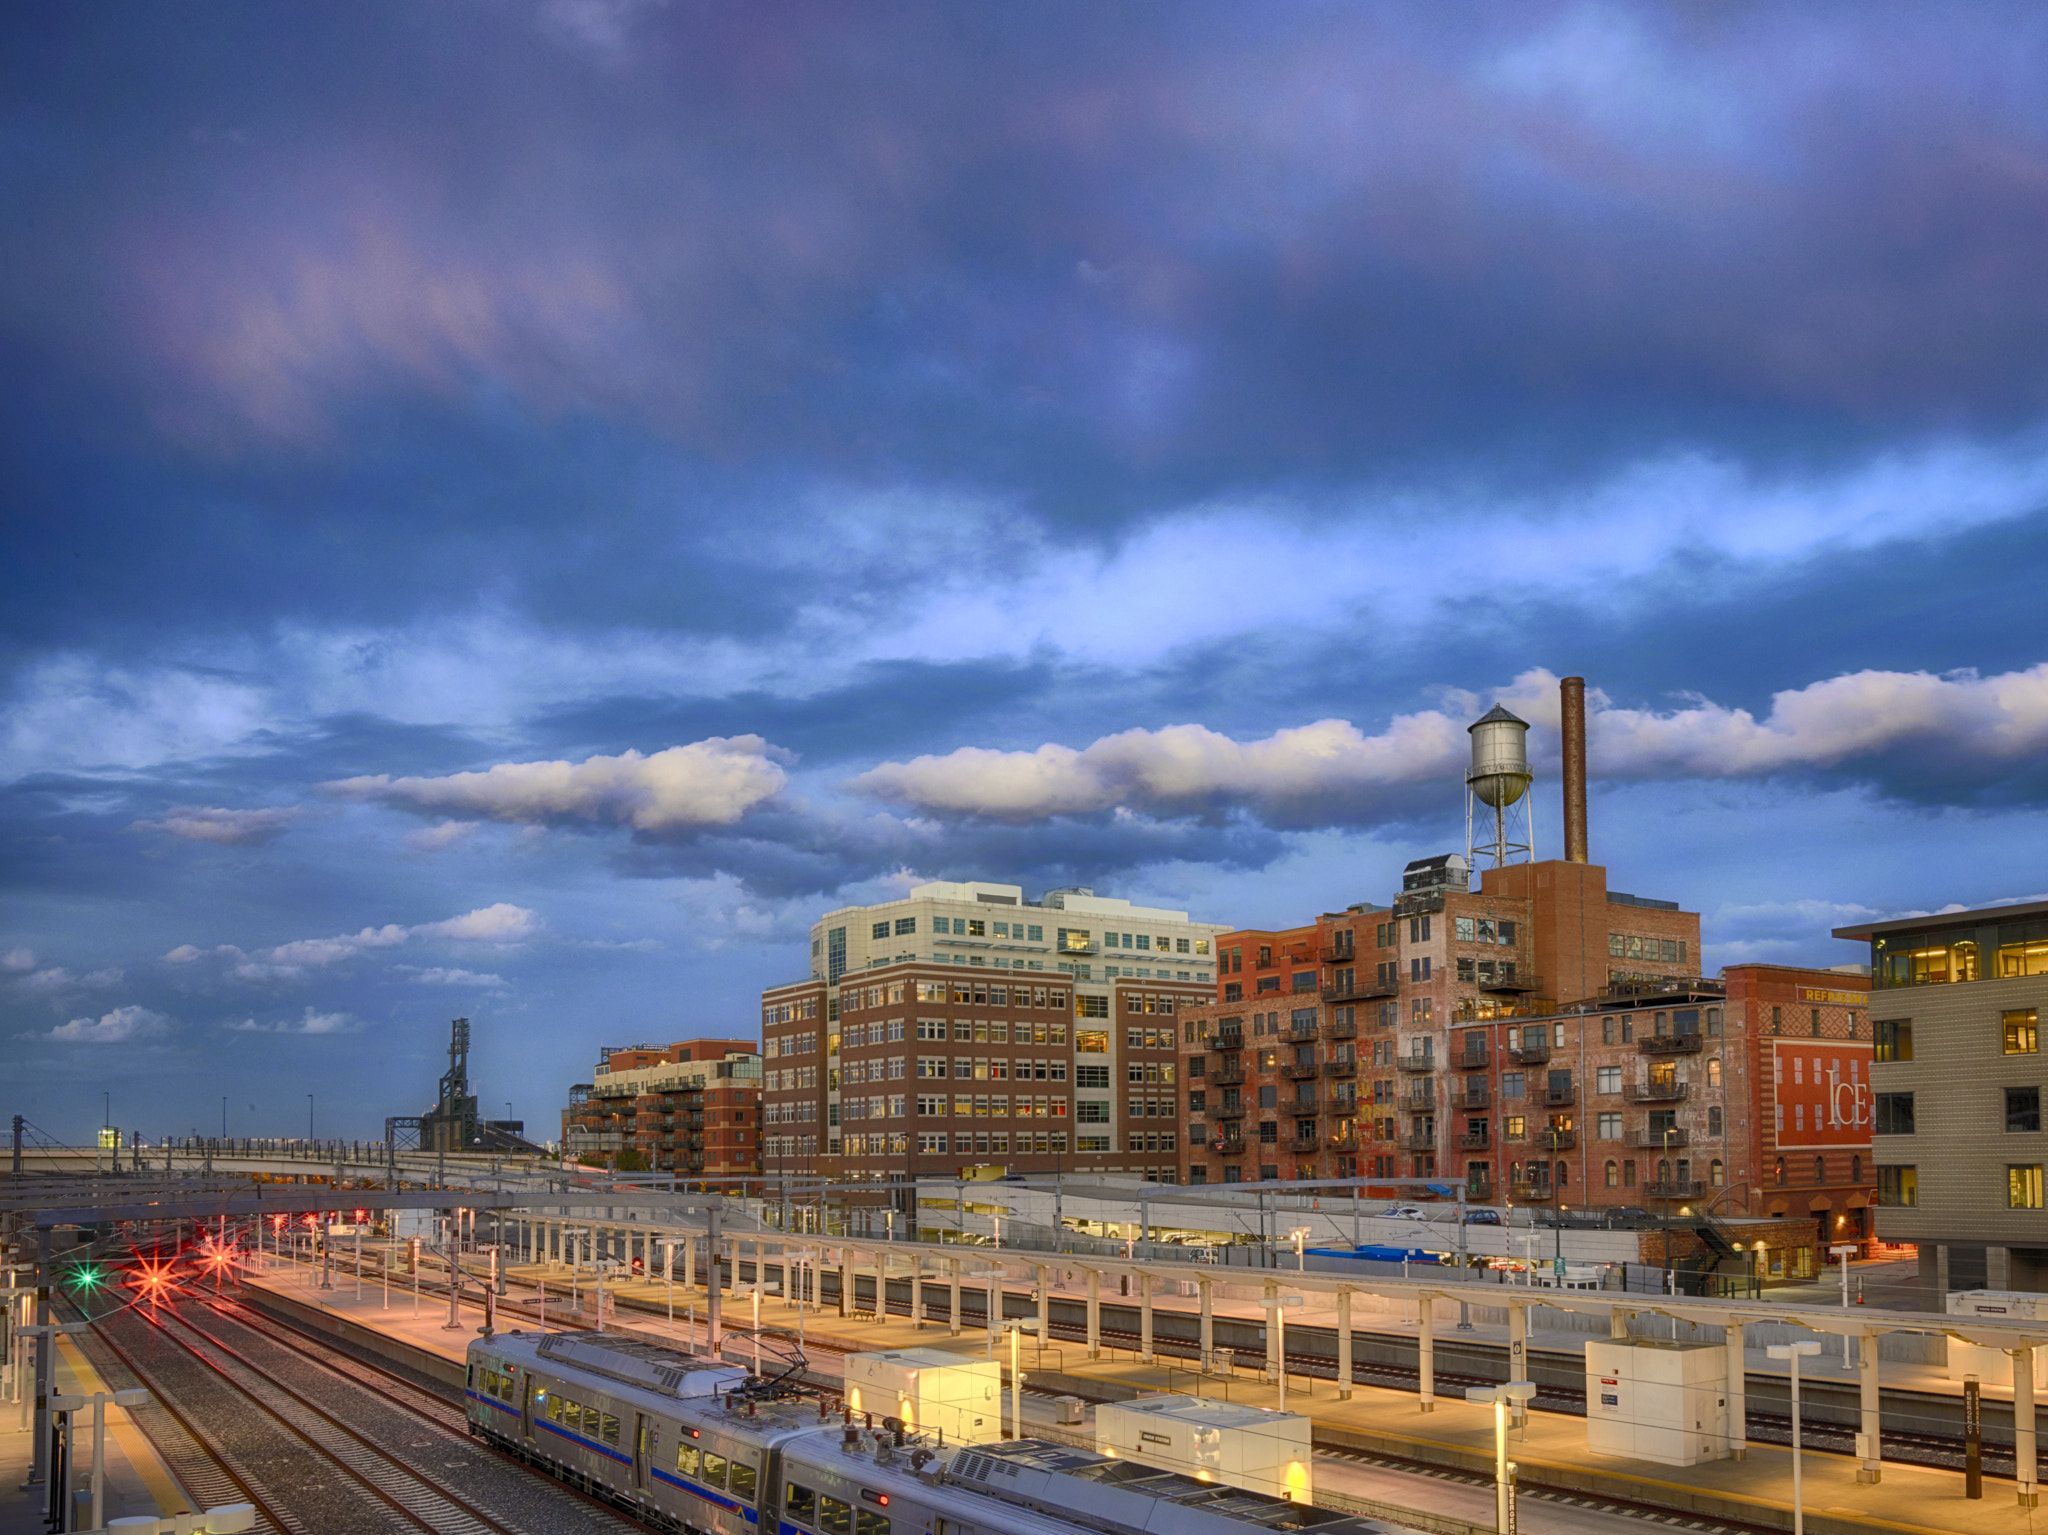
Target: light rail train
x=701, y=1448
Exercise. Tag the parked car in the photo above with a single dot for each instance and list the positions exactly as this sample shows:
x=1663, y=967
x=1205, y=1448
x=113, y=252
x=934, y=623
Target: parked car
x=1483, y=1215
x=1404, y=1213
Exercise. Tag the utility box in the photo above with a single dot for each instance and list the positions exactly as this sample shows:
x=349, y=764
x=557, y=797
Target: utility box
x=931, y=1390
x=2008, y=1305
x=1255, y=1448
x=1647, y=1399
x=1073, y=1411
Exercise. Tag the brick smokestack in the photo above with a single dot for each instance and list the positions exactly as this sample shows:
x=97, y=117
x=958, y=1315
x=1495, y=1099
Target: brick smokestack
x=1573, y=698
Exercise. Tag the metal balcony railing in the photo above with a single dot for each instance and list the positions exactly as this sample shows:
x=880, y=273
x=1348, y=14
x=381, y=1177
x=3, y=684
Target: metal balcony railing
x=1677, y=1189
x=1360, y=987
x=1671, y=1044
x=1416, y=1140
x=1338, y=954
x=1476, y=1095
x=1415, y=1062
x=1416, y=1102
x=1475, y=1140
x=1340, y=1068
x=1227, y=1111
x=1297, y=1071
x=1515, y=982
x=1529, y=1193
x=1555, y=1097
x=1470, y=1059
x=1530, y=1054
x=1557, y=1140
x=1655, y=1092
x=1341, y=1028
x=1229, y=1076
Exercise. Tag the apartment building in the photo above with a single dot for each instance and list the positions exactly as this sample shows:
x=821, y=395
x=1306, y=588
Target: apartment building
x=693, y=1107
x=1329, y=1036
x=1957, y=1001
x=965, y=1025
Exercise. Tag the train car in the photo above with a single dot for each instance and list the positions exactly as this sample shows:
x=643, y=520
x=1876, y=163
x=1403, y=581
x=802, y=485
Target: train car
x=697, y=1448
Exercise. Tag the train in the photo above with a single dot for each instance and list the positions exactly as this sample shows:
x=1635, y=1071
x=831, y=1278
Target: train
x=698, y=1447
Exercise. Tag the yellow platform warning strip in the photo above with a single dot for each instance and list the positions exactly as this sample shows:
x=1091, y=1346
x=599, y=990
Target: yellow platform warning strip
x=134, y=1445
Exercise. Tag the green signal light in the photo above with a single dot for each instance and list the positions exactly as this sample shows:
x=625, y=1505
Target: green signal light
x=88, y=1276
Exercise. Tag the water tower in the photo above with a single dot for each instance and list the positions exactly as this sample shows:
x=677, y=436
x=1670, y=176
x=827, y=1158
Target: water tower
x=1497, y=791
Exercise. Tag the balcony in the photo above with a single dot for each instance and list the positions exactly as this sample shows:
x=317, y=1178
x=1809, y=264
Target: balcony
x=1340, y=1068
x=1659, y=1140
x=1529, y=1193
x=1227, y=1076
x=1415, y=1062
x=1300, y=1106
x=1226, y=1148
x=1417, y=1103
x=1228, y=1039
x=1555, y=1097
x=1361, y=988
x=1338, y=954
x=1530, y=1054
x=1476, y=1140
x=1299, y=1071
x=1309, y=1142
x=1227, y=1111
x=1557, y=1140
x=1675, y=1189
x=1671, y=1044
x=1476, y=1095
x=1469, y=1059
x=1076, y=945
x=1655, y=1092
x=1480, y=1193
x=1299, y=1034
x=1343, y=1140
x=1516, y=982
x=1416, y=1140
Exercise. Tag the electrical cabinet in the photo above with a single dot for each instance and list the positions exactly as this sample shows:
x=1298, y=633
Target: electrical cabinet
x=1647, y=1399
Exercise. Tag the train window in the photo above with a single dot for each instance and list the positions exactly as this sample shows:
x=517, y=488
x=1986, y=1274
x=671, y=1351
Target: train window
x=742, y=1483
x=686, y=1459
x=866, y=1523
x=592, y=1420
x=611, y=1429
x=714, y=1470
x=554, y=1409
x=800, y=1503
x=834, y=1517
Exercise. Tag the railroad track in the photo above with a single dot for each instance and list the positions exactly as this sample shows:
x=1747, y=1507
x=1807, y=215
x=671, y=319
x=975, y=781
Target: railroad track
x=284, y=1433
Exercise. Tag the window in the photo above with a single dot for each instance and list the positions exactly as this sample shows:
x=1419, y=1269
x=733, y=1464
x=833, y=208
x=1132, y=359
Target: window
x=740, y=1482
x=2022, y=1036
x=1895, y=1113
x=1610, y=1128
x=2023, y=1188
x=713, y=1472
x=1898, y=1186
x=1894, y=1039
x=881, y=930
x=1607, y=1079
x=1304, y=980
x=800, y=1502
x=1714, y=1072
x=1088, y=1113
x=1091, y=1076
x=1606, y=1031
x=834, y=1517
x=1091, y=1041
x=1717, y=1174
x=1614, y=1175
x=2022, y=1110
x=1714, y=1120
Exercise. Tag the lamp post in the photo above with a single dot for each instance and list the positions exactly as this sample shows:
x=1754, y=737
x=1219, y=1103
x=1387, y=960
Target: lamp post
x=1515, y=1391
x=1300, y=1235
x=1016, y=1327
x=1278, y=1304
x=1842, y=1252
x=98, y=1403
x=668, y=1275
x=756, y=1290
x=1794, y=1352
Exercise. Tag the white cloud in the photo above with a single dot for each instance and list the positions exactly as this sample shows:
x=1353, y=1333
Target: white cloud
x=120, y=1026
x=311, y=1022
x=225, y=828
x=1988, y=724
x=438, y=975
x=18, y=959
x=712, y=782
x=436, y=839
x=501, y=923
x=73, y=713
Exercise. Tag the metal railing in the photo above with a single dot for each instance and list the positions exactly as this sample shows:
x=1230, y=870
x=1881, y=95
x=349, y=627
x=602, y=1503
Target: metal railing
x=1658, y=1140
x=1656, y=1092
x=1672, y=1044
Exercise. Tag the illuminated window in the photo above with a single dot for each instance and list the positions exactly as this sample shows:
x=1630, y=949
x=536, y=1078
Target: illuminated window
x=2023, y=1188
x=2022, y=1036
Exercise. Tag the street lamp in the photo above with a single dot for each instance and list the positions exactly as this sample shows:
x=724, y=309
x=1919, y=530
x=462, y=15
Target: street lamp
x=1300, y=1235
x=757, y=1289
x=668, y=1273
x=98, y=1403
x=1278, y=1304
x=1515, y=1391
x=1842, y=1253
x=1016, y=1327
x=1794, y=1352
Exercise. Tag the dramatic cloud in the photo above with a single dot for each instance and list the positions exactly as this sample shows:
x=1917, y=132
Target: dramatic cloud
x=122, y=1026
x=707, y=783
x=1977, y=729
x=228, y=828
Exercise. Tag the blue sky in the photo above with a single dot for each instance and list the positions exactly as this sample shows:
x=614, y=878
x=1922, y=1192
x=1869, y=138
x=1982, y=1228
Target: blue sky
x=514, y=508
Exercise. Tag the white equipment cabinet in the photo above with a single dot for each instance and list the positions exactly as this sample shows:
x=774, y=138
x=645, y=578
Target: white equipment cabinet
x=932, y=1391
x=1647, y=1399
x=1255, y=1448
x=1993, y=1366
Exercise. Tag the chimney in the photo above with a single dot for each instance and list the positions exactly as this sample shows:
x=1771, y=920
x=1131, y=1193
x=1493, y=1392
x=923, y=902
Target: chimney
x=1573, y=691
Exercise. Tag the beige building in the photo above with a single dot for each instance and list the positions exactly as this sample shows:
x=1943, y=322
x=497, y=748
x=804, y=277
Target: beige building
x=1956, y=1005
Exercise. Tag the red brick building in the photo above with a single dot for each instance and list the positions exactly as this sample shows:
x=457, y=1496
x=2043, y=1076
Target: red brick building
x=692, y=1108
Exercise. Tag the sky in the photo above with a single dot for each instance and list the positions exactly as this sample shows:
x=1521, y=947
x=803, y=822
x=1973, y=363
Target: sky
x=516, y=507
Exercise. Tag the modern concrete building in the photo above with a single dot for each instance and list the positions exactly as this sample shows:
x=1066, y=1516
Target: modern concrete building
x=1957, y=1001
x=964, y=1025
x=692, y=1108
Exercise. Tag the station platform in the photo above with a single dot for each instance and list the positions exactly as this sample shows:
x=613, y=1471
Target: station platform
x=138, y=1483
x=1455, y=1437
